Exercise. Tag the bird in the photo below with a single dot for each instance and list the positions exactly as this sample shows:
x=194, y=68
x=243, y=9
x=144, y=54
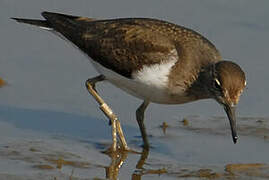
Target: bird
x=154, y=60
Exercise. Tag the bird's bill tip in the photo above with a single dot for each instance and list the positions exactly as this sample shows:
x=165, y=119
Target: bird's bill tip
x=235, y=139
x=230, y=111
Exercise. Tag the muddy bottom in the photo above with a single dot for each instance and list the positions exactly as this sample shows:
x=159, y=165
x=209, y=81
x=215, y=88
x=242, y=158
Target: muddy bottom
x=190, y=148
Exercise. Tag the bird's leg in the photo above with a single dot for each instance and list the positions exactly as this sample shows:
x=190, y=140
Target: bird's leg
x=140, y=119
x=116, y=127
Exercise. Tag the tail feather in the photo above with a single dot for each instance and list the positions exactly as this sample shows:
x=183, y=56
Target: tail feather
x=49, y=15
x=41, y=23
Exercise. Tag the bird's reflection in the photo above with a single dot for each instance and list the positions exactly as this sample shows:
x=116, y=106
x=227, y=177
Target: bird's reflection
x=118, y=158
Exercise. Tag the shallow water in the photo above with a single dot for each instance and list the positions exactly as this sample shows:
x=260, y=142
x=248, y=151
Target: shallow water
x=202, y=147
x=50, y=127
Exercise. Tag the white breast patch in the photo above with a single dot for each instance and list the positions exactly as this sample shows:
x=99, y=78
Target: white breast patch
x=149, y=83
x=154, y=76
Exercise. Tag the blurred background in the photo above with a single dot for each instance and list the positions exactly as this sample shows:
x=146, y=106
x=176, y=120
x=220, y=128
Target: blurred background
x=45, y=78
x=43, y=71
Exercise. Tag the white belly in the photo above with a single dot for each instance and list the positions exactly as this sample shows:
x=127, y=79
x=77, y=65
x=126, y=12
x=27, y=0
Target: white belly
x=150, y=83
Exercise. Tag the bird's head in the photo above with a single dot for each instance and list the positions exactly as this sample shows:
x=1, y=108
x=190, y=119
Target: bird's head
x=228, y=83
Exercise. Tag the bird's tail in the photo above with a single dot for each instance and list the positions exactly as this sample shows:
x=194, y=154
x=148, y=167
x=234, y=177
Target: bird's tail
x=61, y=24
x=50, y=19
x=40, y=23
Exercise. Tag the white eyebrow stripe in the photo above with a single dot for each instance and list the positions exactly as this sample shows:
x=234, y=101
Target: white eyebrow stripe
x=218, y=82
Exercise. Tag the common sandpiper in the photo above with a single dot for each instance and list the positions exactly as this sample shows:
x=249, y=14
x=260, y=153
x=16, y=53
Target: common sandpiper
x=153, y=60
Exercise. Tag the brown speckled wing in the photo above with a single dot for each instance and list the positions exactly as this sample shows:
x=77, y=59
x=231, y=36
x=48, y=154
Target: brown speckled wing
x=125, y=45
x=122, y=45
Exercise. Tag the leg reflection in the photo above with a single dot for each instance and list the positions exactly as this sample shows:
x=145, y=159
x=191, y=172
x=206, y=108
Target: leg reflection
x=141, y=170
x=143, y=158
x=118, y=157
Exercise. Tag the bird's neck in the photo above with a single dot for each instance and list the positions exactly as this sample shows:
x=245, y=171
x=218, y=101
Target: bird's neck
x=200, y=88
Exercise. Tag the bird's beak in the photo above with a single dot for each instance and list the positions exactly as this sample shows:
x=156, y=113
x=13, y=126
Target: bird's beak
x=230, y=111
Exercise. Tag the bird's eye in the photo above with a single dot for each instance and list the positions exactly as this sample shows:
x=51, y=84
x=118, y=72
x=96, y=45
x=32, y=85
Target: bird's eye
x=217, y=84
